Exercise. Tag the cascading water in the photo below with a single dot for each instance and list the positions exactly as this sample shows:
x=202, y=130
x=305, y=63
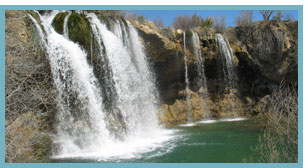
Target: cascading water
x=201, y=79
x=188, y=96
x=93, y=100
x=225, y=53
x=80, y=110
x=227, y=68
x=65, y=28
x=132, y=77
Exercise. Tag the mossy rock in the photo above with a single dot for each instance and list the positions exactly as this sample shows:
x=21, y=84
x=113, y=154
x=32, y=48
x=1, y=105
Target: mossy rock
x=79, y=30
x=36, y=17
x=58, y=22
x=189, y=33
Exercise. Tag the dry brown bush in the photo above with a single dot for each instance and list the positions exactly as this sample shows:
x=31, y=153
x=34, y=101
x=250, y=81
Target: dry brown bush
x=30, y=96
x=182, y=22
x=279, y=143
x=159, y=22
x=219, y=24
x=244, y=19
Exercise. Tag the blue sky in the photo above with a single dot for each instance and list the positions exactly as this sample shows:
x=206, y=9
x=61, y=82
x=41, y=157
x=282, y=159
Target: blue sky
x=169, y=15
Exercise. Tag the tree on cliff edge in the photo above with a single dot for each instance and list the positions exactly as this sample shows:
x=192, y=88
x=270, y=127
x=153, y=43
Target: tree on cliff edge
x=266, y=14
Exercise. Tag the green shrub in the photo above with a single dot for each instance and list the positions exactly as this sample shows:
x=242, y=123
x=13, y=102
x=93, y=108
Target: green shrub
x=219, y=24
x=140, y=19
x=208, y=22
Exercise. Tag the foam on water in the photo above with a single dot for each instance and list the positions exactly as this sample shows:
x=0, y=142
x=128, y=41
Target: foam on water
x=188, y=125
x=233, y=119
x=131, y=148
x=207, y=121
x=213, y=121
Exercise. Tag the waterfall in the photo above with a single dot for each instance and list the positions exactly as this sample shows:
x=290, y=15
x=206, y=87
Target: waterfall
x=189, y=108
x=65, y=28
x=225, y=54
x=133, y=80
x=201, y=79
x=79, y=123
x=107, y=110
x=227, y=69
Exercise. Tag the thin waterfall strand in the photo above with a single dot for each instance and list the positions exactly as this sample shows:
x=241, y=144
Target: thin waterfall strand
x=189, y=108
x=228, y=71
x=201, y=79
x=65, y=27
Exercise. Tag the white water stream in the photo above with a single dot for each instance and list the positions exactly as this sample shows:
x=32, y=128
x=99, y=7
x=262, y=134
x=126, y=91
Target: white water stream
x=229, y=74
x=201, y=79
x=187, y=90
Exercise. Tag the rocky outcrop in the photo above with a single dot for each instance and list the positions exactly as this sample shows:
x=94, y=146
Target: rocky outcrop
x=263, y=58
x=165, y=52
x=270, y=48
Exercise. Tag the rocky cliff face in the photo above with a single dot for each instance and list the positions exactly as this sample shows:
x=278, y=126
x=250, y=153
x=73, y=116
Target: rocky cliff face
x=270, y=48
x=166, y=54
x=265, y=53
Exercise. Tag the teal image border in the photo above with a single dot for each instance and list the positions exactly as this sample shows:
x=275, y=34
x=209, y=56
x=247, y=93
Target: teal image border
x=299, y=8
